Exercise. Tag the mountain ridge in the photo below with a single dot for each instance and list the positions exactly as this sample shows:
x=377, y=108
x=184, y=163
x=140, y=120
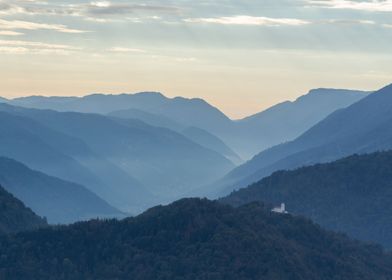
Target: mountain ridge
x=362, y=127
x=216, y=240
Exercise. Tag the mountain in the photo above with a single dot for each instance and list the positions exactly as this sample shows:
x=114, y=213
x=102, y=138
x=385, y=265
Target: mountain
x=57, y=200
x=69, y=158
x=288, y=120
x=360, y=128
x=3, y=100
x=198, y=135
x=149, y=118
x=165, y=162
x=351, y=195
x=187, y=112
x=15, y=216
x=246, y=137
x=212, y=142
x=192, y=239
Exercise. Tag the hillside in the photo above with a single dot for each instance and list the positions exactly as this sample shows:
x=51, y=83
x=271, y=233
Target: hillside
x=286, y=121
x=57, y=200
x=166, y=163
x=15, y=216
x=188, y=112
x=66, y=157
x=212, y=142
x=247, y=137
x=351, y=195
x=195, y=134
x=365, y=126
x=192, y=239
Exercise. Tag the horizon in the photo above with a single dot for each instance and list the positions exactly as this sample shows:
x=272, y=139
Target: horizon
x=234, y=118
x=241, y=56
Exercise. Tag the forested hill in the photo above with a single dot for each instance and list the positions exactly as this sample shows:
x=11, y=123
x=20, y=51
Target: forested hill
x=192, y=239
x=15, y=216
x=352, y=195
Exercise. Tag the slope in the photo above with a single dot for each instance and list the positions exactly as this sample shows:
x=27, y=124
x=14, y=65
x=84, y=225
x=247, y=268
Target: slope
x=286, y=121
x=362, y=127
x=57, y=200
x=165, y=162
x=68, y=158
x=350, y=195
x=15, y=216
x=192, y=239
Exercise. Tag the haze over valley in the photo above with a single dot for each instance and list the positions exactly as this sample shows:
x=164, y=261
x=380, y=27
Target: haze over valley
x=195, y=140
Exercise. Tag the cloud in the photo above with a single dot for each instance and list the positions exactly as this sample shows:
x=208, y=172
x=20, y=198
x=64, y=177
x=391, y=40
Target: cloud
x=27, y=25
x=107, y=8
x=371, y=6
x=347, y=22
x=10, y=33
x=23, y=47
x=249, y=20
x=92, y=10
x=126, y=50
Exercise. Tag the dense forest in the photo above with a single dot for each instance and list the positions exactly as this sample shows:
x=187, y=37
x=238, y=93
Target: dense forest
x=192, y=239
x=352, y=195
x=15, y=216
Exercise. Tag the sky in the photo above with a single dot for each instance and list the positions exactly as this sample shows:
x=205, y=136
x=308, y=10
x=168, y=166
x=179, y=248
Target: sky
x=240, y=55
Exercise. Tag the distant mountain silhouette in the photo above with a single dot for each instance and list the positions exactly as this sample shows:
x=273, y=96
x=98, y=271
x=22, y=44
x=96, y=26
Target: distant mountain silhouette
x=192, y=239
x=15, y=216
x=149, y=118
x=188, y=112
x=198, y=135
x=288, y=120
x=363, y=127
x=165, y=162
x=246, y=137
x=351, y=195
x=67, y=157
x=210, y=141
x=57, y=200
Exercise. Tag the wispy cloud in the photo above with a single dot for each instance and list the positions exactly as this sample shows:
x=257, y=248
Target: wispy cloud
x=249, y=20
x=371, y=6
x=126, y=50
x=95, y=10
x=10, y=33
x=23, y=47
x=107, y=8
x=27, y=25
x=347, y=22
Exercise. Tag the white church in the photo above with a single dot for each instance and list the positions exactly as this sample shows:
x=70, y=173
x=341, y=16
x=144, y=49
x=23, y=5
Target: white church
x=281, y=209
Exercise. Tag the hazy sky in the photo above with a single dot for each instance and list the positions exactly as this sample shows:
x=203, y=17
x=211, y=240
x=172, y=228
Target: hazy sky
x=240, y=55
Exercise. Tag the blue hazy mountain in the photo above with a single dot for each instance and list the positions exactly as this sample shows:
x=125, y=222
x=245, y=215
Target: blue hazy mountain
x=3, y=100
x=351, y=195
x=165, y=162
x=149, y=118
x=15, y=216
x=198, y=135
x=246, y=137
x=193, y=239
x=188, y=112
x=365, y=126
x=57, y=200
x=68, y=158
x=288, y=120
x=212, y=142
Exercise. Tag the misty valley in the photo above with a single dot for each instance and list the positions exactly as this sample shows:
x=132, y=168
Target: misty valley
x=82, y=177
x=195, y=140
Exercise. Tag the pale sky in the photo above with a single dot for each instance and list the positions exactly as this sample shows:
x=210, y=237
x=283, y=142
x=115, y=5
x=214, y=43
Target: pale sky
x=240, y=55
